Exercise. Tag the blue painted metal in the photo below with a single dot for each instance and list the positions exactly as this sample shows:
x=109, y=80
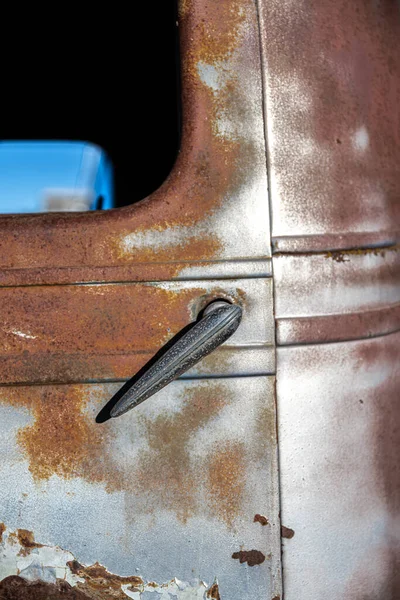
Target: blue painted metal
x=32, y=172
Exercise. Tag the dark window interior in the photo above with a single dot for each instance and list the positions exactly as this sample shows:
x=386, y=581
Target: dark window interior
x=110, y=77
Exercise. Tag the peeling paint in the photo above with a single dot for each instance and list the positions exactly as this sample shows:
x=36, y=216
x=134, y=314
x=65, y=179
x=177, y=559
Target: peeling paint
x=51, y=572
x=2, y=530
x=213, y=592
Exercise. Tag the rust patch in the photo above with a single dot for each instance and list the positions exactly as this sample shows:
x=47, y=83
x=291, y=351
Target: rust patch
x=2, y=530
x=226, y=480
x=261, y=519
x=252, y=557
x=286, y=532
x=276, y=598
x=166, y=473
x=59, y=439
x=337, y=254
x=99, y=583
x=27, y=539
x=213, y=592
x=72, y=333
x=344, y=255
x=213, y=164
x=65, y=440
x=17, y=588
x=62, y=440
x=220, y=31
x=183, y=7
x=189, y=249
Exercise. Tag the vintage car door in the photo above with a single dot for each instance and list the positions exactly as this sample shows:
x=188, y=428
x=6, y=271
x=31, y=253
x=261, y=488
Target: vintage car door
x=179, y=497
x=283, y=201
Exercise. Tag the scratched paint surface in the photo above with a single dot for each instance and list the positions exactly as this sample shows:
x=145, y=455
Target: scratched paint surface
x=169, y=491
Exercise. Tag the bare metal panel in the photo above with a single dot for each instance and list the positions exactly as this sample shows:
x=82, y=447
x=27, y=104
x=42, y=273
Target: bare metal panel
x=338, y=419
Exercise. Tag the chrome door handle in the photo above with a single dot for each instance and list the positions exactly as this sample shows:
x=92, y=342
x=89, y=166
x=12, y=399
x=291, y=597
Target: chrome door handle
x=219, y=321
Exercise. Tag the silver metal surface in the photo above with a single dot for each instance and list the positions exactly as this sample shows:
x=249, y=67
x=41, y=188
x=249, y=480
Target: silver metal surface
x=338, y=420
x=331, y=75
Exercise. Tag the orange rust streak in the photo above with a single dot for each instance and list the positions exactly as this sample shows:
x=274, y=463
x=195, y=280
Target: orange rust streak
x=219, y=30
x=73, y=332
x=166, y=471
x=189, y=249
x=102, y=318
x=226, y=477
x=27, y=539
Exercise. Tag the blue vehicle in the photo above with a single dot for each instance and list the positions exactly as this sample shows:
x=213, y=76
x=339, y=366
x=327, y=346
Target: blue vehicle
x=52, y=176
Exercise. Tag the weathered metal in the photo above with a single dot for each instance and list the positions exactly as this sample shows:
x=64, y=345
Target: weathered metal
x=108, y=332
x=338, y=421
x=219, y=179
x=163, y=498
x=331, y=74
x=168, y=491
x=186, y=488
x=332, y=87
x=323, y=297
x=50, y=573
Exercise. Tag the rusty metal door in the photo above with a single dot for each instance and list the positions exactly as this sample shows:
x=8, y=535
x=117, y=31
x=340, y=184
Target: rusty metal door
x=178, y=498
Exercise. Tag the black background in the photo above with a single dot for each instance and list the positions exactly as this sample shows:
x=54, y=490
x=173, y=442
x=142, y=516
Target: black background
x=109, y=76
